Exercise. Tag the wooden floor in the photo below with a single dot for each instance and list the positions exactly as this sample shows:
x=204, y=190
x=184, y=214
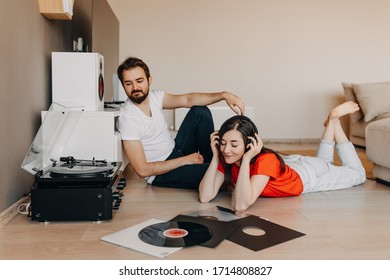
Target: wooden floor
x=347, y=224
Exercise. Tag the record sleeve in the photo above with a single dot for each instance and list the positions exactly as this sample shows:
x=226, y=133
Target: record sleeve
x=128, y=238
x=273, y=233
x=220, y=229
x=218, y=213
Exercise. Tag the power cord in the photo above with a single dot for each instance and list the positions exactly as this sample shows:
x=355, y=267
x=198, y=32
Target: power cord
x=25, y=209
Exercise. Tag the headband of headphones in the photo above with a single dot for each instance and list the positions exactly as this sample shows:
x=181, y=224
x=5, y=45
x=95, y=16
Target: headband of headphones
x=246, y=119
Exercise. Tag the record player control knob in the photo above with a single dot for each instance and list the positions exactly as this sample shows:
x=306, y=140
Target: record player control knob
x=116, y=206
x=116, y=195
x=122, y=182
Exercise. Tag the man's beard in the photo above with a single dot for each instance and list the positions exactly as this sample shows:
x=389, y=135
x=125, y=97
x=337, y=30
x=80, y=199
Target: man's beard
x=139, y=98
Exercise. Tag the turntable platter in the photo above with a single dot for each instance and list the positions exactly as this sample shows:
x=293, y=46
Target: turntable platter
x=79, y=170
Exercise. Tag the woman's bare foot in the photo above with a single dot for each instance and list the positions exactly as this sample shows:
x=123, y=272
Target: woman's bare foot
x=346, y=108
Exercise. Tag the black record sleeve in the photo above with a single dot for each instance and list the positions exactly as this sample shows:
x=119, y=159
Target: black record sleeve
x=274, y=233
x=220, y=229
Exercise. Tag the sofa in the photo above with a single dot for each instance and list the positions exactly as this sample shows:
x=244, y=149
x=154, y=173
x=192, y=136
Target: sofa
x=370, y=126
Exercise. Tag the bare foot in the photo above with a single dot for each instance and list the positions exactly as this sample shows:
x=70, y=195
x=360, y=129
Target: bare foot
x=346, y=108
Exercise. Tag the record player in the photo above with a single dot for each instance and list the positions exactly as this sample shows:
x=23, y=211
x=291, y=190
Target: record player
x=67, y=188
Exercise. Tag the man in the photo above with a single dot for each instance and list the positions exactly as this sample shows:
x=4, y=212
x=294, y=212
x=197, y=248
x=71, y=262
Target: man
x=154, y=155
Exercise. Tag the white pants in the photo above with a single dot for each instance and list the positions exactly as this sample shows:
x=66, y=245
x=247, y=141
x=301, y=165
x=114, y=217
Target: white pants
x=320, y=174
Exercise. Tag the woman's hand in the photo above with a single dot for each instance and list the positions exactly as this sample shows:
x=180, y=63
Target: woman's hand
x=254, y=147
x=214, y=142
x=212, y=179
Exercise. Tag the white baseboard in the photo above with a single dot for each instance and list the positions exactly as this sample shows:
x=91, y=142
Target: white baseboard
x=292, y=141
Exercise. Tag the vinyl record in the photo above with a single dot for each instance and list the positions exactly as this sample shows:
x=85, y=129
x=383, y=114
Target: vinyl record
x=80, y=169
x=175, y=234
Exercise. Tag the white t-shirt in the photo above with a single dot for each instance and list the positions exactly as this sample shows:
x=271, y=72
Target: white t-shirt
x=152, y=131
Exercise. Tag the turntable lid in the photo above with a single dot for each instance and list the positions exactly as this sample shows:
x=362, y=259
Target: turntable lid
x=49, y=142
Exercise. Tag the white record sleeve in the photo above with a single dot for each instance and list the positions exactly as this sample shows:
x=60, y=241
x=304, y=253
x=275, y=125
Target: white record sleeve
x=128, y=238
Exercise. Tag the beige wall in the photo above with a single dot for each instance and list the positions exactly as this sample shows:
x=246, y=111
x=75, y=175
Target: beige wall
x=27, y=40
x=287, y=58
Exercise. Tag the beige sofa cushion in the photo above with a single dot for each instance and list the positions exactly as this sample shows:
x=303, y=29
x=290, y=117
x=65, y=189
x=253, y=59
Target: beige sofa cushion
x=373, y=98
x=378, y=142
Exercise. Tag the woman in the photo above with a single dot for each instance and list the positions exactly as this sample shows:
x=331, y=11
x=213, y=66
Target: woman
x=240, y=161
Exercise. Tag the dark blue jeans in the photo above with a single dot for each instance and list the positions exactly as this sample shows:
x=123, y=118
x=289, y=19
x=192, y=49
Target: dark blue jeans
x=192, y=137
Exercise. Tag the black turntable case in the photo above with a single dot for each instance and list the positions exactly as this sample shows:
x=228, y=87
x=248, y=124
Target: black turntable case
x=75, y=203
x=78, y=199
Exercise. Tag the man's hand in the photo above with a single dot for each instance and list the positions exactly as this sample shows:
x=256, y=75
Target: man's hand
x=194, y=158
x=235, y=103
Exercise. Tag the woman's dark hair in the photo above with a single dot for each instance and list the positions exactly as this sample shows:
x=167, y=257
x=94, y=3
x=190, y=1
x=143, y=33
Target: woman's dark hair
x=247, y=128
x=132, y=62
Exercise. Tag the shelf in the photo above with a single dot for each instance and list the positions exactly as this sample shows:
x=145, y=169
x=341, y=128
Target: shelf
x=56, y=9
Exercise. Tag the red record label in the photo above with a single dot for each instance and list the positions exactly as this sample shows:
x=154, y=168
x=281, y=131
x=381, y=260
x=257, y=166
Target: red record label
x=175, y=233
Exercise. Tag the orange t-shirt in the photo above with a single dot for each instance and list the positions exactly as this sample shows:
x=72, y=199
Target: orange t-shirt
x=279, y=184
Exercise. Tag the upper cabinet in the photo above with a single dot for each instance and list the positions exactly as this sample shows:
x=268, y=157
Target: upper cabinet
x=56, y=9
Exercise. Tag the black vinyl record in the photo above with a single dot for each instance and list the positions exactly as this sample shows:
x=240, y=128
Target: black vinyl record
x=175, y=234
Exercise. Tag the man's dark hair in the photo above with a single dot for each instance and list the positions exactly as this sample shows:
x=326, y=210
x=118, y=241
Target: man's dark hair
x=132, y=62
